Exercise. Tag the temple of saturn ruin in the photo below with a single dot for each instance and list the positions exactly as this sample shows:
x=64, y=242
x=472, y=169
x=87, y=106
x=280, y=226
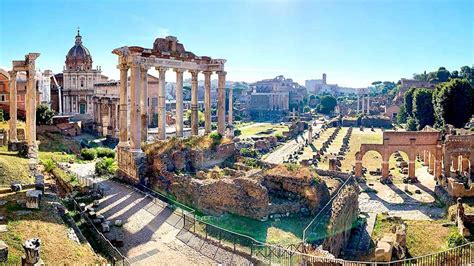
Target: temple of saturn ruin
x=28, y=66
x=167, y=53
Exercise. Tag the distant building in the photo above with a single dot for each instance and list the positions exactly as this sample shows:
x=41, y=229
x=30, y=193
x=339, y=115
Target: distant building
x=272, y=98
x=78, y=80
x=318, y=86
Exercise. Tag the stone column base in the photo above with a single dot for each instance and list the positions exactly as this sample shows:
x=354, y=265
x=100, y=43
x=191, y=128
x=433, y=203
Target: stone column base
x=15, y=145
x=131, y=165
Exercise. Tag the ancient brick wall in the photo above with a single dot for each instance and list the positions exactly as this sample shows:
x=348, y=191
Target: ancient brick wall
x=343, y=215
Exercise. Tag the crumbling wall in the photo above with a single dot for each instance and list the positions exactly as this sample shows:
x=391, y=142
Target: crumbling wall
x=343, y=214
x=241, y=196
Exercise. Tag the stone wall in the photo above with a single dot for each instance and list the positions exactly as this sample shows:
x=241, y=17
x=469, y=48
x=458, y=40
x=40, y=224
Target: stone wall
x=344, y=213
x=241, y=196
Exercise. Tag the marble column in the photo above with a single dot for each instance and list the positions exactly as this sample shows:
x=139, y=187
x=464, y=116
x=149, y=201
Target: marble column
x=221, y=103
x=230, y=118
x=194, y=103
x=123, y=106
x=207, y=102
x=100, y=123
x=116, y=120
x=411, y=169
x=144, y=104
x=358, y=169
x=13, y=107
x=358, y=103
x=161, y=103
x=368, y=104
x=363, y=104
x=31, y=110
x=135, y=86
x=179, y=102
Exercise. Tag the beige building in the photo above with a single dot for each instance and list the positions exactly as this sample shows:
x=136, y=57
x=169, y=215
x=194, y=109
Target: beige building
x=78, y=80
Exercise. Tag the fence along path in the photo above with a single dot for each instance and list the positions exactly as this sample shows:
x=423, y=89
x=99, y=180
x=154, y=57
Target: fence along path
x=255, y=250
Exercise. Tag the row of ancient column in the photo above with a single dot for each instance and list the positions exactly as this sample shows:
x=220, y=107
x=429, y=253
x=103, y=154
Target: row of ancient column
x=138, y=91
x=365, y=109
x=30, y=106
x=111, y=110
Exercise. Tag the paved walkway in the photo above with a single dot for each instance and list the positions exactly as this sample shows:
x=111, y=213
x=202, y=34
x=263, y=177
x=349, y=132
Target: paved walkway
x=282, y=153
x=152, y=234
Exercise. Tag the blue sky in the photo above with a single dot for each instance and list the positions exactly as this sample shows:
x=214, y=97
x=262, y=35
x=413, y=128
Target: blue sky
x=354, y=42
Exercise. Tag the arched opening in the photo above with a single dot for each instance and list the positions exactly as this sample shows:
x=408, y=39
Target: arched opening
x=398, y=166
x=371, y=167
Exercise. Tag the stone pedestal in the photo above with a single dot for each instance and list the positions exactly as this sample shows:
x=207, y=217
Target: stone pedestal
x=32, y=253
x=33, y=198
x=3, y=252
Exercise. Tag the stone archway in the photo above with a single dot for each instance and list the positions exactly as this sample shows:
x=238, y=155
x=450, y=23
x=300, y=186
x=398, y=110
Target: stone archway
x=412, y=143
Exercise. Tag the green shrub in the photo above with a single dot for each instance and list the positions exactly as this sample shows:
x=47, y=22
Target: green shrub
x=455, y=239
x=88, y=154
x=106, y=166
x=237, y=132
x=105, y=152
x=280, y=137
x=249, y=153
x=49, y=165
x=216, y=138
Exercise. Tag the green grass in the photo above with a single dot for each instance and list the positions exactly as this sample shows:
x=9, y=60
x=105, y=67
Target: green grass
x=289, y=230
x=13, y=168
x=418, y=242
x=258, y=129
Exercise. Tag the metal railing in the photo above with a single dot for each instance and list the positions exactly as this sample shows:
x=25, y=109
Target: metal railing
x=256, y=250
x=112, y=253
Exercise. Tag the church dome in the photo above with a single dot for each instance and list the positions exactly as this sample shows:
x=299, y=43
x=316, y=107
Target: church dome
x=78, y=57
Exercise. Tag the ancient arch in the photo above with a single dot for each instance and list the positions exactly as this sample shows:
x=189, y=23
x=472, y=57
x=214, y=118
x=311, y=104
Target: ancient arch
x=458, y=153
x=412, y=143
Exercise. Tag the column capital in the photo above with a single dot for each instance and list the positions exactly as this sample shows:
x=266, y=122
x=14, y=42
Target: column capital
x=179, y=70
x=222, y=73
x=207, y=72
x=144, y=68
x=194, y=73
x=12, y=73
x=161, y=69
x=123, y=66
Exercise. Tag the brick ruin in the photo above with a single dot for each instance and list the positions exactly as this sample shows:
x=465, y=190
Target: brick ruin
x=214, y=179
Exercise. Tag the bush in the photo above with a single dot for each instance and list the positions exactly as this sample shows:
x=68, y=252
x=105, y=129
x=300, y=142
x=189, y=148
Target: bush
x=88, y=154
x=237, y=132
x=455, y=239
x=280, y=137
x=106, y=166
x=105, y=152
x=216, y=138
x=49, y=165
x=249, y=153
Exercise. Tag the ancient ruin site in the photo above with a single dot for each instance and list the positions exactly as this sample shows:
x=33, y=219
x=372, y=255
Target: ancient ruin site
x=196, y=133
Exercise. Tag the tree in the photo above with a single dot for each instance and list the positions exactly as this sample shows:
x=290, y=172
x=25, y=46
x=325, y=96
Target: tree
x=423, y=107
x=442, y=74
x=453, y=103
x=467, y=73
x=421, y=77
x=200, y=117
x=455, y=74
x=306, y=109
x=402, y=115
x=1, y=116
x=44, y=115
x=408, y=101
x=327, y=104
x=411, y=124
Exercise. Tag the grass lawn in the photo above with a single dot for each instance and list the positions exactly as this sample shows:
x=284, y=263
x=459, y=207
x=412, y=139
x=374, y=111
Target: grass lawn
x=286, y=231
x=13, y=168
x=259, y=129
x=418, y=243
x=46, y=224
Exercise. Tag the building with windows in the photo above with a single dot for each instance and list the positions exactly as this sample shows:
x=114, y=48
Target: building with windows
x=78, y=80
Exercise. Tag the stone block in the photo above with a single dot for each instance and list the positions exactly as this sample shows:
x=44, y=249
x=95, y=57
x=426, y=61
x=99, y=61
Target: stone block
x=118, y=223
x=3, y=252
x=105, y=227
x=16, y=186
x=33, y=198
x=383, y=252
